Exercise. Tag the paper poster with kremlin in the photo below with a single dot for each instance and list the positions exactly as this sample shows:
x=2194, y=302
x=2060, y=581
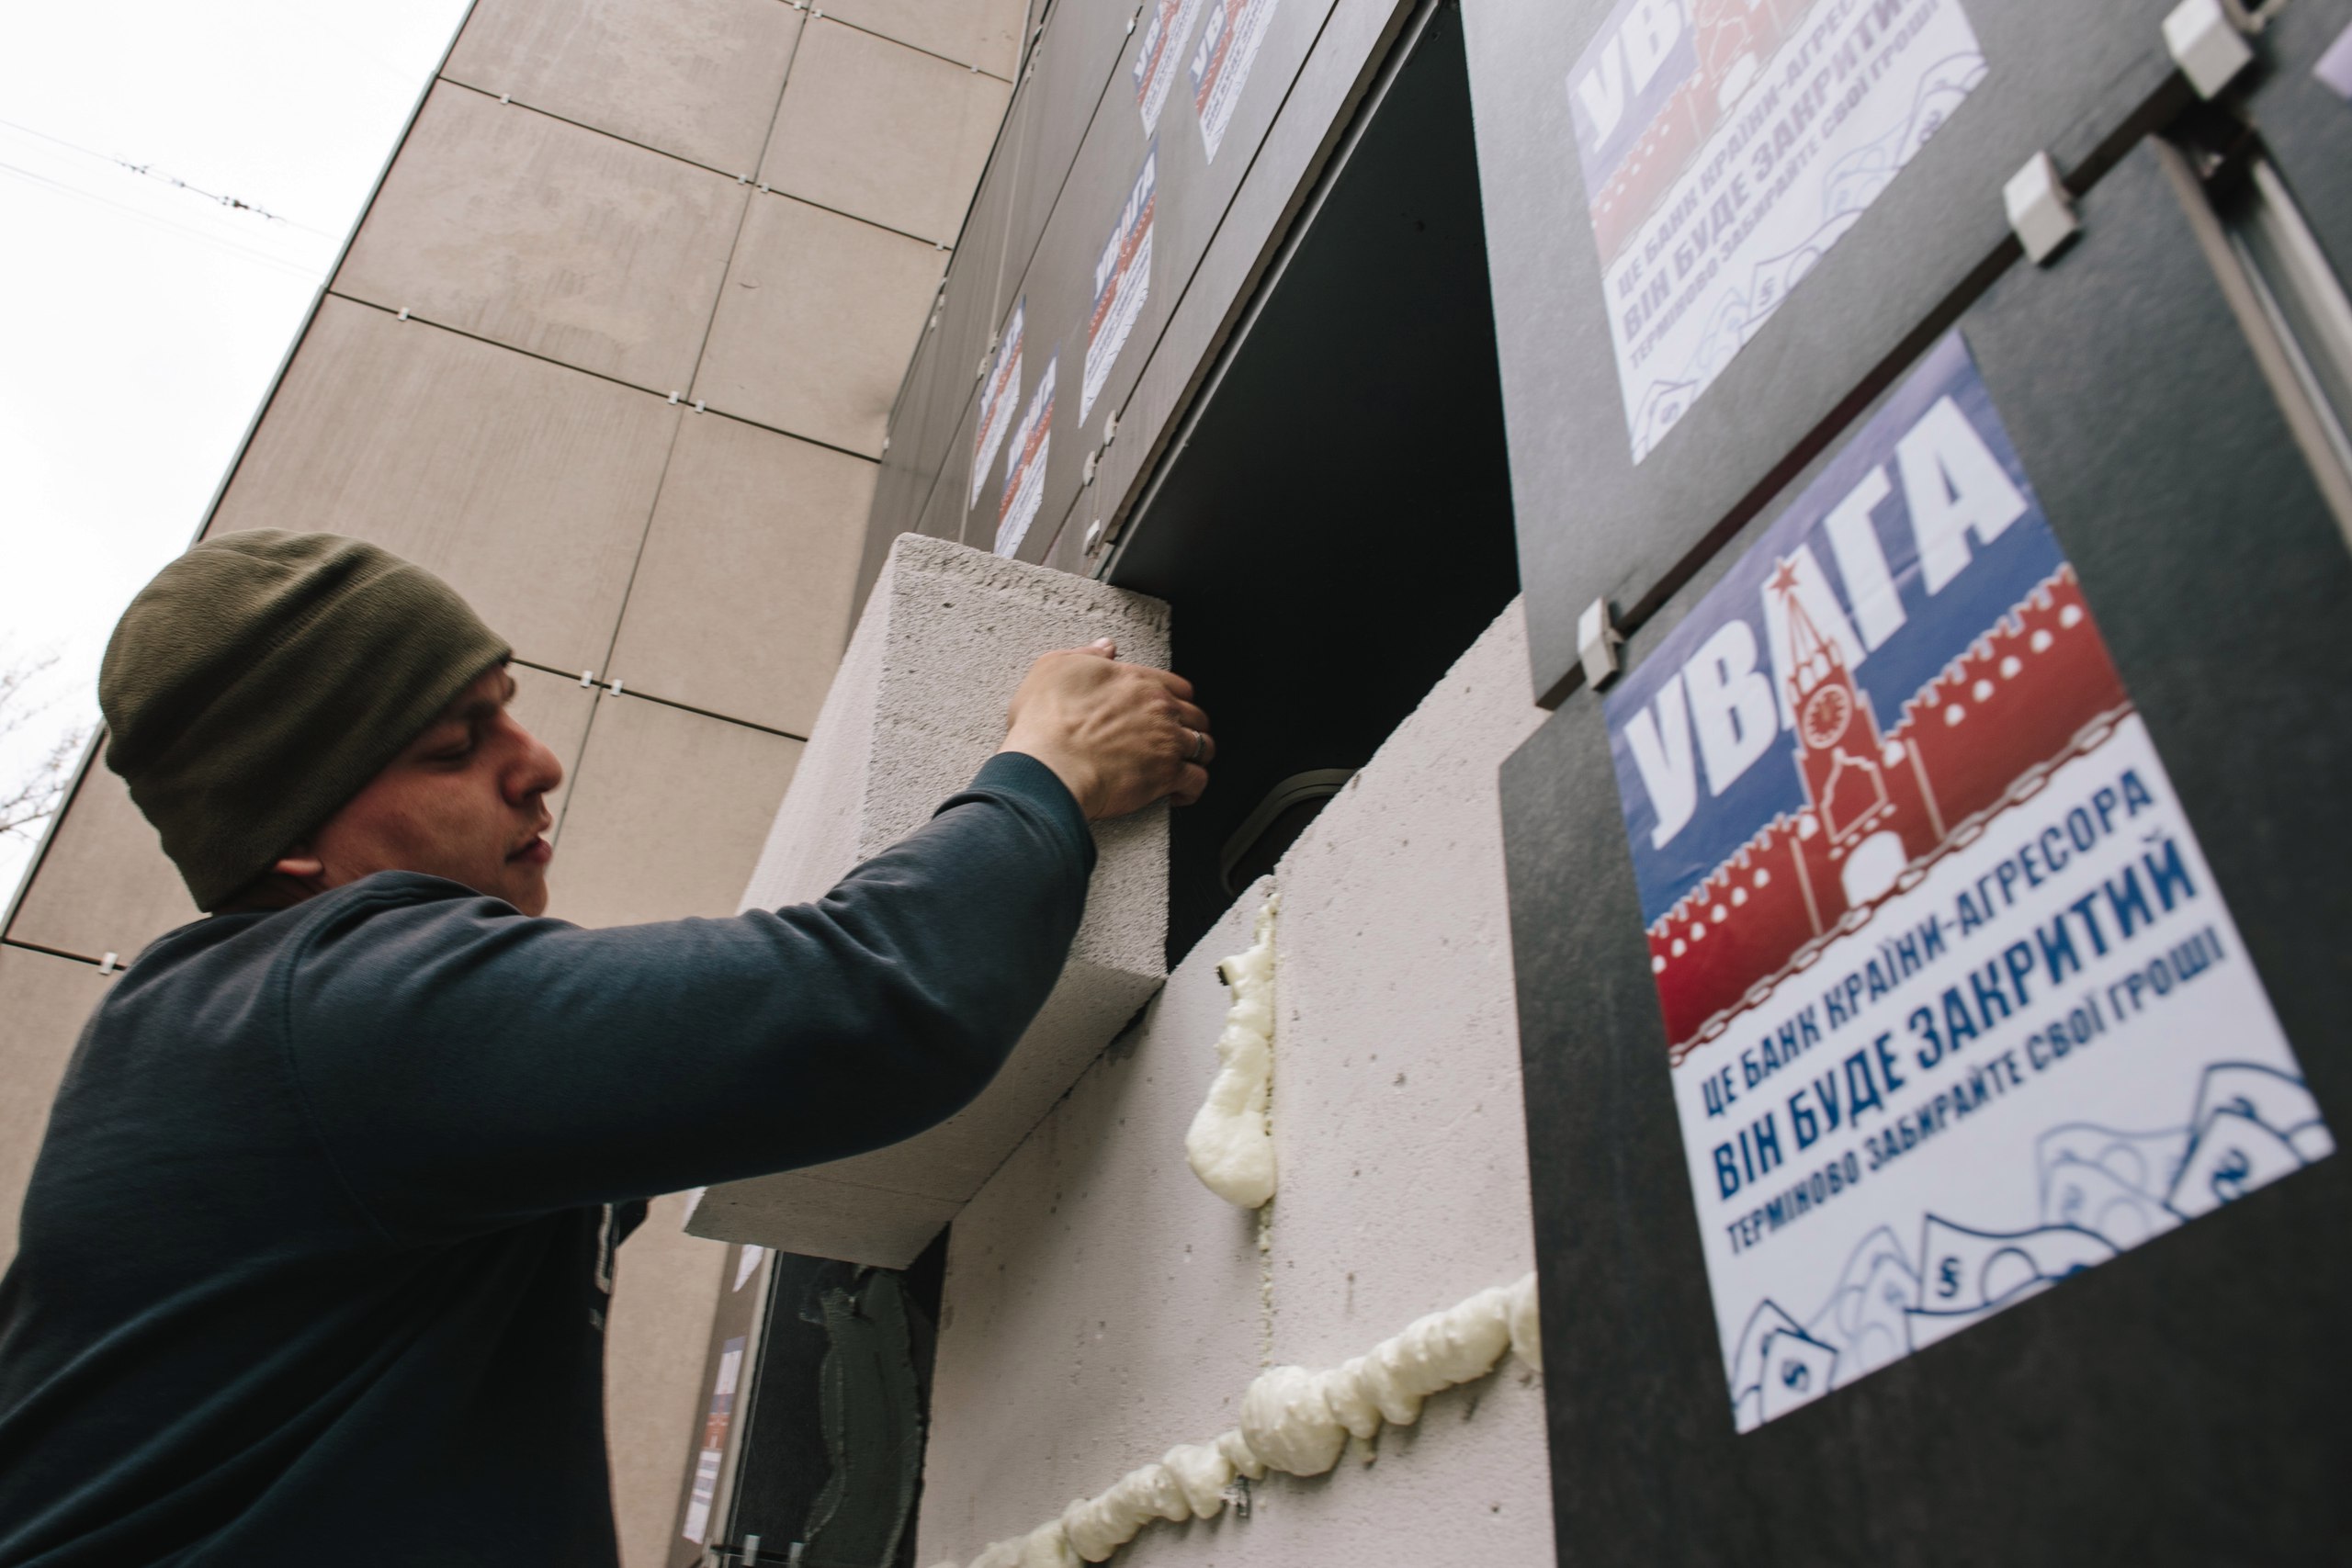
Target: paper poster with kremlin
x=1955, y=1007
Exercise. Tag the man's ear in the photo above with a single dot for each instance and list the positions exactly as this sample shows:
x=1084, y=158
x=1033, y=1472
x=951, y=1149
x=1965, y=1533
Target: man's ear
x=299, y=864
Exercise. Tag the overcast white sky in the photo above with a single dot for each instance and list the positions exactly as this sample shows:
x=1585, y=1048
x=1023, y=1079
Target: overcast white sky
x=141, y=321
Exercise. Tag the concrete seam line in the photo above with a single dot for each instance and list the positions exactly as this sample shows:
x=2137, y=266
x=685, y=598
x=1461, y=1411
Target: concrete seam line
x=1292, y=1420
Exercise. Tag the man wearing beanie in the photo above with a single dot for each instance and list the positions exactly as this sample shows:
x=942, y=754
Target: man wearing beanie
x=315, y=1255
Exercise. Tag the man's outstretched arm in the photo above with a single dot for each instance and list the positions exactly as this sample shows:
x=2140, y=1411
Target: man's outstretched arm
x=468, y=1066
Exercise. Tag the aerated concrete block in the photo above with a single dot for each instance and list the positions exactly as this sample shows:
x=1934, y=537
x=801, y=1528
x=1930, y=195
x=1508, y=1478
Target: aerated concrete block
x=916, y=708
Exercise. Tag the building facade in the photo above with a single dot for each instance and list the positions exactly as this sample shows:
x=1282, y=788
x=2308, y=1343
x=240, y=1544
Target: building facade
x=1767, y=573
x=613, y=350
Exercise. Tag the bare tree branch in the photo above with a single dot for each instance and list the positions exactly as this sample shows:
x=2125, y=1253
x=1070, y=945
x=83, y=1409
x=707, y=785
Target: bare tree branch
x=30, y=798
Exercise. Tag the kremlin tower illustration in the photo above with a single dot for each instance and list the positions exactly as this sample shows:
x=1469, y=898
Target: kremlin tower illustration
x=1880, y=807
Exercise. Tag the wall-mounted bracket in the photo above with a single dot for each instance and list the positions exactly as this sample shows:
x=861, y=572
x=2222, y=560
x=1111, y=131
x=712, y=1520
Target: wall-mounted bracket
x=2039, y=207
x=1597, y=640
x=2208, y=43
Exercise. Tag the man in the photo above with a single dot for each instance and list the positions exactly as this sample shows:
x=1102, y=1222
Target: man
x=315, y=1254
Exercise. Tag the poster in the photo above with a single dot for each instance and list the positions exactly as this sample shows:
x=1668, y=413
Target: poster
x=1221, y=63
x=1165, y=24
x=1726, y=144
x=1122, y=282
x=1024, y=466
x=1955, y=1009
x=700, y=1501
x=999, y=390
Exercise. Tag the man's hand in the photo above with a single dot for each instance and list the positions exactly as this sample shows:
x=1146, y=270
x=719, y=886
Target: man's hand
x=1120, y=736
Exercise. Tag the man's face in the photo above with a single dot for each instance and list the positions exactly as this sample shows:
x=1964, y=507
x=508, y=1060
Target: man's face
x=465, y=800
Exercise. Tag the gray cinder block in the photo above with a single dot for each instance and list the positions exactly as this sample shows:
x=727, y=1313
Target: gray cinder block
x=917, y=705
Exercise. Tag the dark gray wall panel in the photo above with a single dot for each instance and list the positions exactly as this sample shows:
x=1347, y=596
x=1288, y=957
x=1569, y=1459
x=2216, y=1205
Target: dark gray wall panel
x=976, y=280
x=2187, y=1403
x=1167, y=370
x=1084, y=43
x=1055, y=188
x=1349, y=458
x=1059, y=287
x=944, y=512
x=1193, y=196
x=940, y=380
x=1066, y=550
x=904, y=482
x=2306, y=126
x=2060, y=77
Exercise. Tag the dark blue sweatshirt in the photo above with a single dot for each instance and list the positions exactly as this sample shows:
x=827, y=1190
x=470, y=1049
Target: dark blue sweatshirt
x=315, y=1257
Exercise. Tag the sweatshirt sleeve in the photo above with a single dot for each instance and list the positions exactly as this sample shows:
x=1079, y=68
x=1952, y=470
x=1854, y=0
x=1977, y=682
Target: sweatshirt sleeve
x=468, y=1065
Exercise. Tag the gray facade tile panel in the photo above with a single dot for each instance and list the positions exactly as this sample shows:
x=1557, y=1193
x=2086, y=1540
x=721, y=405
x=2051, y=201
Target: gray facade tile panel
x=527, y=485
x=740, y=602
x=816, y=323
x=697, y=78
x=883, y=133
x=103, y=883
x=981, y=33
x=511, y=225
x=667, y=814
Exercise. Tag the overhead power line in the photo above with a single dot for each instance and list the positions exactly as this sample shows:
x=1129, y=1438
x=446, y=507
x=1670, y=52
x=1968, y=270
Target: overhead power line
x=282, y=263
x=148, y=171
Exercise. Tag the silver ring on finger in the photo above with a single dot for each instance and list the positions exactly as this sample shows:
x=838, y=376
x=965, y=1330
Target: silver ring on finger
x=1199, y=745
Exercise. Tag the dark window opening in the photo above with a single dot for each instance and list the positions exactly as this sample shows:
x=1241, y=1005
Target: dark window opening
x=830, y=1472
x=1334, y=527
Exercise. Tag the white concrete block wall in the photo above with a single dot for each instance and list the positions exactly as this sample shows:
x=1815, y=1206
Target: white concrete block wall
x=1102, y=1305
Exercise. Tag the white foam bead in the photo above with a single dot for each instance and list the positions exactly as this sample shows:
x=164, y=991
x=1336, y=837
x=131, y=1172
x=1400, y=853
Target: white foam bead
x=1241, y=1455
x=1204, y=1471
x=1288, y=1423
x=1350, y=1400
x=1047, y=1547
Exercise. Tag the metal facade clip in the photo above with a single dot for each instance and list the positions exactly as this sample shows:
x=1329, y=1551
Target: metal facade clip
x=2208, y=43
x=1597, y=640
x=2039, y=207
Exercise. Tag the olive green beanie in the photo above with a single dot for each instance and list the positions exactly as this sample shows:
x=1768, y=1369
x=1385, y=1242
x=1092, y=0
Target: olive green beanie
x=263, y=678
